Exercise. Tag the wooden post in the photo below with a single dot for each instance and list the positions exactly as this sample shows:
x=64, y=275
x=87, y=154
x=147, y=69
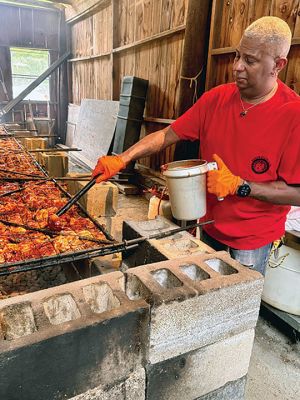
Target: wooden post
x=193, y=66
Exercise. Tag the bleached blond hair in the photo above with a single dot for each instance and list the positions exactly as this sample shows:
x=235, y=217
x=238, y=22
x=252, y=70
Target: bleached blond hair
x=272, y=31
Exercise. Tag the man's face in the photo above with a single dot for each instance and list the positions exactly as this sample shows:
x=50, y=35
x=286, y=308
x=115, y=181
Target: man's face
x=252, y=67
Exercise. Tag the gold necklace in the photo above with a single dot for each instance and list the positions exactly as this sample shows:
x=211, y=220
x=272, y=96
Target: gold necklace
x=245, y=110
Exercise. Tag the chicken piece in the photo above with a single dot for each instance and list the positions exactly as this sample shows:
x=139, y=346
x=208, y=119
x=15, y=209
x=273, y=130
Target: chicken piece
x=62, y=244
x=29, y=250
x=12, y=253
x=42, y=216
x=43, y=244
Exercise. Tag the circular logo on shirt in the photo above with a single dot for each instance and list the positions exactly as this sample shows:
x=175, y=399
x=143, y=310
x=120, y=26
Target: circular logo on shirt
x=260, y=165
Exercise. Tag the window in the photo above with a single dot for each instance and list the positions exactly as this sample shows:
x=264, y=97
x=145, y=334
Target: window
x=27, y=65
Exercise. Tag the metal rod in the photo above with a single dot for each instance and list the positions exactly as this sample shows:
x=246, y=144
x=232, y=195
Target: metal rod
x=11, y=192
x=20, y=173
x=166, y=234
x=55, y=149
x=53, y=233
x=75, y=198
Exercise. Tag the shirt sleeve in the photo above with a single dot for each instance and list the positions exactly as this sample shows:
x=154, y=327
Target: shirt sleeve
x=189, y=125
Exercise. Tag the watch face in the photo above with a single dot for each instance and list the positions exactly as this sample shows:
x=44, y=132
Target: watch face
x=244, y=190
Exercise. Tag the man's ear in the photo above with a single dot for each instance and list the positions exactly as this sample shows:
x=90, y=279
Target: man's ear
x=280, y=63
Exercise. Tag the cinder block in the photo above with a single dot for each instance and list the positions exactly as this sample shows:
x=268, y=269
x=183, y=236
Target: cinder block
x=101, y=200
x=231, y=391
x=101, y=347
x=200, y=373
x=196, y=301
x=17, y=320
x=132, y=388
x=181, y=244
x=112, y=225
x=56, y=163
x=35, y=143
x=72, y=185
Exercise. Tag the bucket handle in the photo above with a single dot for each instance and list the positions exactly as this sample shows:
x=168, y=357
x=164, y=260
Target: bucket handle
x=212, y=166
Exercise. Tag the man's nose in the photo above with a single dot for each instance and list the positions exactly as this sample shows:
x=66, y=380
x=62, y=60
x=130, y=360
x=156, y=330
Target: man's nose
x=238, y=65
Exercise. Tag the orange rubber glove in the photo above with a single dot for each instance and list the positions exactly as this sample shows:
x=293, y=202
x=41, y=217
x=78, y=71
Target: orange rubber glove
x=222, y=182
x=108, y=166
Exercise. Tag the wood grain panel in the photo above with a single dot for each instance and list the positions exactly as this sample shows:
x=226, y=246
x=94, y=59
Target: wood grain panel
x=238, y=20
x=293, y=70
x=223, y=69
x=102, y=78
x=25, y=27
x=286, y=10
x=102, y=31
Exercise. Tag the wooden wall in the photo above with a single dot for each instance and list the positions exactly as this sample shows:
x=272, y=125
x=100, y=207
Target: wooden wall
x=230, y=18
x=144, y=38
x=166, y=41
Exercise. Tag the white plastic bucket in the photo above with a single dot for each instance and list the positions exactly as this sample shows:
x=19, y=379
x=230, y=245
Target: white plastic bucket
x=186, y=182
x=282, y=281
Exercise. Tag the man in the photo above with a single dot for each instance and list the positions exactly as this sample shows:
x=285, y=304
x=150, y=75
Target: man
x=252, y=129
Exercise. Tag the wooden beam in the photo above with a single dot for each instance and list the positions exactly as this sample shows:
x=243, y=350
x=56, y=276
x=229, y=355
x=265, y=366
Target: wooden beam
x=9, y=106
x=92, y=57
x=88, y=11
x=164, y=34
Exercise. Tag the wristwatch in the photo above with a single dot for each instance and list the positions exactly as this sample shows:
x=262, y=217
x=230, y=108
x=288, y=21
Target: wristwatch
x=244, y=189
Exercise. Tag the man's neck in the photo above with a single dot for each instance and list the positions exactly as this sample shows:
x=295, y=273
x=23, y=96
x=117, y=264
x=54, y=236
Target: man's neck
x=260, y=97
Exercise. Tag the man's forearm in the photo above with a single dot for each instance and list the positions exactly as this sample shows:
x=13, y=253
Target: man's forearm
x=150, y=144
x=276, y=192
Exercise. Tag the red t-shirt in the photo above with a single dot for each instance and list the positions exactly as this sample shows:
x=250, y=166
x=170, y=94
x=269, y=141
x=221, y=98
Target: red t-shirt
x=263, y=146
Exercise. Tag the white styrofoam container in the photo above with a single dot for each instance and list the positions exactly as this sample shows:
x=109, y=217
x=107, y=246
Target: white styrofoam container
x=282, y=281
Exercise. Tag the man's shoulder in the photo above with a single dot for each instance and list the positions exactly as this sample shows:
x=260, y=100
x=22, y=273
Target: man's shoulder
x=287, y=93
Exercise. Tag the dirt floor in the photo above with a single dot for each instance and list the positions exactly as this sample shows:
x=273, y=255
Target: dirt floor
x=275, y=366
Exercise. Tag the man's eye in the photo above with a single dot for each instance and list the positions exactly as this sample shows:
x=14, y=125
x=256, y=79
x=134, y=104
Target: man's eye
x=249, y=61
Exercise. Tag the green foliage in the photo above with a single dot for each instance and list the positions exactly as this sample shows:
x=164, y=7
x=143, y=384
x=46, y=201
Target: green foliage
x=27, y=65
x=29, y=62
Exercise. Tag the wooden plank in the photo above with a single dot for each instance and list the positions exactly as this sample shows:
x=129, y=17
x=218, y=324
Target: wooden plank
x=238, y=21
x=286, y=10
x=223, y=50
x=24, y=27
x=293, y=70
x=5, y=64
x=150, y=39
x=83, y=9
x=258, y=9
x=93, y=57
x=102, y=31
x=297, y=23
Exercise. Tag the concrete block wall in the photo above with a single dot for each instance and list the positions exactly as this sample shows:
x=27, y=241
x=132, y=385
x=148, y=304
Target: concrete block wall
x=203, y=312
x=176, y=329
x=81, y=340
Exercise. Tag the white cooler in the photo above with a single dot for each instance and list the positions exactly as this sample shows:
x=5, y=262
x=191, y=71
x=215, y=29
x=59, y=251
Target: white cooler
x=282, y=281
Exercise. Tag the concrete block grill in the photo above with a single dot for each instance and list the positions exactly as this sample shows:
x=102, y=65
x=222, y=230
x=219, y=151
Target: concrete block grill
x=28, y=197
x=74, y=341
x=212, y=288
